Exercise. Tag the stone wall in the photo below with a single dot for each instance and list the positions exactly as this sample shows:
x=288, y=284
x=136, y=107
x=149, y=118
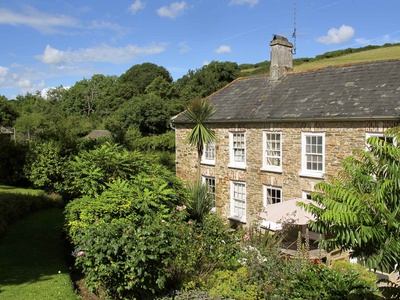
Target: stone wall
x=341, y=138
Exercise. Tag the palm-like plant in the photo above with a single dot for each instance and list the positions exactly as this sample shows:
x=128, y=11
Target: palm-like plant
x=200, y=202
x=360, y=209
x=198, y=112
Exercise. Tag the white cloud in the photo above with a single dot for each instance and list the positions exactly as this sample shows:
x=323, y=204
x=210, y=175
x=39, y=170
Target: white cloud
x=337, y=36
x=251, y=3
x=184, y=47
x=223, y=49
x=136, y=6
x=174, y=10
x=31, y=17
x=3, y=71
x=53, y=56
x=102, y=53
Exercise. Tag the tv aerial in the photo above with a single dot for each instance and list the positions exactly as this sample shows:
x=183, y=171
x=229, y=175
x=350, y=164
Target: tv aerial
x=294, y=34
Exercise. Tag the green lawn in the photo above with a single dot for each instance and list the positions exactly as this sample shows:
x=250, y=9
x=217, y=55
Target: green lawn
x=32, y=260
x=16, y=190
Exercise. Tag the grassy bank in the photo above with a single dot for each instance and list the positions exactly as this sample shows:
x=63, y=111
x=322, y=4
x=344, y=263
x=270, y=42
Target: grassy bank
x=32, y=260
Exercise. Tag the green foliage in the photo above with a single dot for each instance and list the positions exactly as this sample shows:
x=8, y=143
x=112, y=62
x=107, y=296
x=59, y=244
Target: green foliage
x=229, y=284
x=135, y=80
x=12, y=159
x=15, y=206
x=162, y=142
x=7, y=112
x=128, y=260
x=315, y=281
x=90, y=171
x=204, y=247
x=45, y=165
x=207, y=80
x=346, y=267
x=128, y=235
x=360, y=210
x=200, y=201
x=198, y=112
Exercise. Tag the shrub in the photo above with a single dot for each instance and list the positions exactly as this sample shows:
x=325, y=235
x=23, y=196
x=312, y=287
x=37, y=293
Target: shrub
x=228, y=284
x=127, y=237
x=45, y=165
x=12, y=159
x=363, y=273
x=91, y=171
x=127, y=259
x=316, y=281
x=199, y=201
x=205, y=247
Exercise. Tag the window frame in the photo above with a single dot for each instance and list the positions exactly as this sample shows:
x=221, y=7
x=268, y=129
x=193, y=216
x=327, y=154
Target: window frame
x=272, y=188
x=304, y=155
x=204, y=158
x=265, y=165
x=233, y=201
x=380, y=135
x=205, y=180
x=232, y=155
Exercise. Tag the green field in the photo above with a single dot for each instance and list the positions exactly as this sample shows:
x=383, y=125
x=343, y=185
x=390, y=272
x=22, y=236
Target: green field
x=387, y=53
x=381, y=53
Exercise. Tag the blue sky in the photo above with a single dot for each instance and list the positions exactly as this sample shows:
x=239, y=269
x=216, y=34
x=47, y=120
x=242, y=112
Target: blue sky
x=52, y=43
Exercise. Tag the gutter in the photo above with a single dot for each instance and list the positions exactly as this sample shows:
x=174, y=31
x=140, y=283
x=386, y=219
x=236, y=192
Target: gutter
x=291, y=120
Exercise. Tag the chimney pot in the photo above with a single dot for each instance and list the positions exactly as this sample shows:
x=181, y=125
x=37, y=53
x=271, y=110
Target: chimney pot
x=281, y=57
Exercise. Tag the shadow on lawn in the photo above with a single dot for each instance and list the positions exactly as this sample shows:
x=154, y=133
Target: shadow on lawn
x=33, y=250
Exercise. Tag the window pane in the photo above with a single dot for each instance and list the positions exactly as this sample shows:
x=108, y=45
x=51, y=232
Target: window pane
x=239, y=200
x=239, y=154
x=274, y=195
x=314, y=153
x=273, y=149
x=210, y=182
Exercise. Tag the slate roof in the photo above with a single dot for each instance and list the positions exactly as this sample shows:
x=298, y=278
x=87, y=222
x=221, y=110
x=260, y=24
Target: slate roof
x=4, y=130
x=96, y=134
x=359, y=91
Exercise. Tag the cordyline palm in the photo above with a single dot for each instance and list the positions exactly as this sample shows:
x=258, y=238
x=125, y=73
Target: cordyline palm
x=360, y=209
x=198, y=111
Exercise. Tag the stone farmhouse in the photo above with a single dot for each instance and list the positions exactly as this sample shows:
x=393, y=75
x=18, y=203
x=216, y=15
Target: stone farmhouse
x=279, y=135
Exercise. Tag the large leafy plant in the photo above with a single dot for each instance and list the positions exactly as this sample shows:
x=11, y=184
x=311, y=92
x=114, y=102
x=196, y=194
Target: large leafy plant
x=360, y=209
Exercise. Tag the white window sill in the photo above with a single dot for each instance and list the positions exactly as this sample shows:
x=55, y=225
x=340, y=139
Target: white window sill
x=237, y=166
x=268, y=169
x=208, y=162
x=237, y=219
x=318, y=175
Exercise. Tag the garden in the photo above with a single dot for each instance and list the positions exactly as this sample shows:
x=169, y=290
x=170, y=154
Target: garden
x=109, y=219
x=135, y=231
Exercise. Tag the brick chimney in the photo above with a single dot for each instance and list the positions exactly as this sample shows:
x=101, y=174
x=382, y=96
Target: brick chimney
x=281, y=57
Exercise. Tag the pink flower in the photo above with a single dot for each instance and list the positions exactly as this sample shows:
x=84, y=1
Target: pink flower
x=181, y=208
x=128, y=231
x=81, y=253
x=190, y=222
x=246, y=237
